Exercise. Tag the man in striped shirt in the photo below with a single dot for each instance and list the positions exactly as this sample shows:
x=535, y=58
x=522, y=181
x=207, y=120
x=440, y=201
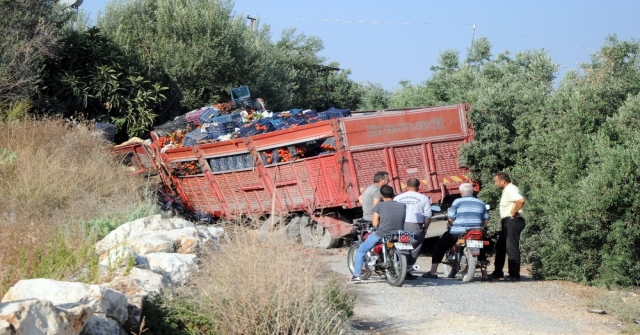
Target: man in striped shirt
x=465, y=212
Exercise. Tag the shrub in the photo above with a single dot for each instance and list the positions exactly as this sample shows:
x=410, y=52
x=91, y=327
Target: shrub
x=258, y=284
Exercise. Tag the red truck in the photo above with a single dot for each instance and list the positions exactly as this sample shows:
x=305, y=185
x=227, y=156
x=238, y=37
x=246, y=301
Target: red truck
x=318, y=191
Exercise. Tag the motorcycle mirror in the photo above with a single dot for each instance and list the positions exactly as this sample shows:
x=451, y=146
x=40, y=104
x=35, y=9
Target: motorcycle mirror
x=435, y=208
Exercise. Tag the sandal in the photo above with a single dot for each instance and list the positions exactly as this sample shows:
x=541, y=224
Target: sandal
x=429, y=275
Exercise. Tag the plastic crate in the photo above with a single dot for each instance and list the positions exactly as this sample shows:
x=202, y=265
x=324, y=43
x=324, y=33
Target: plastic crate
x=209, y=114
x=296, y=111
x=275, y=157
x=244, y=161
x=252, y=129
x=294, y=121
x=176, y=124
x=222, y=128
x=310, y=114
x=335, y=113
x=193, y=137
x=240, y=96
x=213, y=164
x=193, y=116
x=108, y=129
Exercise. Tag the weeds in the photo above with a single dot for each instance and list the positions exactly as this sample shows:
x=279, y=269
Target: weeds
x=623, y=305
x=259, y=284
x=61, y=191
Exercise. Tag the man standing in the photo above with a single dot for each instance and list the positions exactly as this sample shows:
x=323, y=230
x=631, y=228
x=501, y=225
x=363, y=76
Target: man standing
x=417, y=218
x=388, y=217
x=511, y=204
x=465, y=212
x=371, y=195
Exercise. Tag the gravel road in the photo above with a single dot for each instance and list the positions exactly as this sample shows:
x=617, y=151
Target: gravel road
x=448, y=306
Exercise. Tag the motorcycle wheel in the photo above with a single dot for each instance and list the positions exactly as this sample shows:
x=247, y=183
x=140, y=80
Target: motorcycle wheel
x=449, y=270
x=351, y=261
x=397, y=268
x=470, y=270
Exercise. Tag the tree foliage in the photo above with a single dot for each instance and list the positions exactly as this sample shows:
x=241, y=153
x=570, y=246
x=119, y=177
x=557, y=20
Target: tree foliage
x=91, y=76
x=571, y=146
x=201, y=50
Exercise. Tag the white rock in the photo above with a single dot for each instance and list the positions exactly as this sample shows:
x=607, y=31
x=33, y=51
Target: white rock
x=138, y=227
x=151, y=282
x=217, y=232
x=107, y=301
x=136, y=296
x=120, y=256
x=39, y=317
x=151, y=243
x=174, y=267
x=100, y=324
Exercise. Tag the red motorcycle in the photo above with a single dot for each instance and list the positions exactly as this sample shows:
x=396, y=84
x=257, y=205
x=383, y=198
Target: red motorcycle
x=463, y=256
x=385, y=258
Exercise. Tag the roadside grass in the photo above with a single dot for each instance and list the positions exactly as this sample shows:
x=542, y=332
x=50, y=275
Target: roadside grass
x=62, y=190
x=258, y=283
x=624, y=305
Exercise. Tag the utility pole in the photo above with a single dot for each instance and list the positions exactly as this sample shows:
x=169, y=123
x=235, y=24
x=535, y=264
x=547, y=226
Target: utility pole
x=251, y=18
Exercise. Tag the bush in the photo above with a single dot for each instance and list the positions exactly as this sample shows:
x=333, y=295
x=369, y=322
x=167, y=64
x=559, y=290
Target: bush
x=259, y=284
x=62, y=189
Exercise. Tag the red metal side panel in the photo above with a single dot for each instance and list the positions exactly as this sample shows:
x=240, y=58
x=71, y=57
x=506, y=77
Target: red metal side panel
x=367, y=163
x=411, y=162
x=327, y=180
x=199, y=194
x=406, y=127
x=287, y=182
x=446, y=158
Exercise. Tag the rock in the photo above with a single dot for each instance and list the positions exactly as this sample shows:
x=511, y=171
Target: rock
x=151, y=243
x=174, y=267
x=150, y=281
x=141, y=226
x=35, y=317
x=106, y=301
x=217, y=232
x=100, y=324
x=120, y=256
x=136, y=296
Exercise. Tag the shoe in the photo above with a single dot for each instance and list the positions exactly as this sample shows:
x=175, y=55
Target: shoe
x=496, y=276
x=355, y=279
x=512, y=278
x=410, y=276
x=429, y=275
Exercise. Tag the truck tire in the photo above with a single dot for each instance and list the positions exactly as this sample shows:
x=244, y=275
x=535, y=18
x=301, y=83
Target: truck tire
x=314, y=235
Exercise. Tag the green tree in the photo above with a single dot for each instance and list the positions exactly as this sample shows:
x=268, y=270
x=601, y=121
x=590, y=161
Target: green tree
x=94, y=78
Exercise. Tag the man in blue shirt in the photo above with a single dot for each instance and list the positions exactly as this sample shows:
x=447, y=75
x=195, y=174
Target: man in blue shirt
x=465, y=212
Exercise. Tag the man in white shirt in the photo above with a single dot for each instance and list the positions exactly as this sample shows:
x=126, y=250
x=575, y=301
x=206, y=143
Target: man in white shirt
x=417, y=218
x=512, y=221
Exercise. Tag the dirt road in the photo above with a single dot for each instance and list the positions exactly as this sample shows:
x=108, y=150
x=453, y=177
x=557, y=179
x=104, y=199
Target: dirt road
x=448, y=306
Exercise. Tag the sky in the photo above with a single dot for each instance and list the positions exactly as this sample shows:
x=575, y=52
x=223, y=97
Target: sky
x=385, y=42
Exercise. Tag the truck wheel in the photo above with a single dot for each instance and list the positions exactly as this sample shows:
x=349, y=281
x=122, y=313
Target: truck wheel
x=314, y=235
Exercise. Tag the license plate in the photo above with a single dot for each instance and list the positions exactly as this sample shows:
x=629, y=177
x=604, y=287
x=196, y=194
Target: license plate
x=403, y=246
x=474, y=244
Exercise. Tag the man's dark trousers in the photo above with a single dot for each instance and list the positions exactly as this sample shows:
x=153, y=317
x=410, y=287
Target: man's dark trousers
x=509, y=243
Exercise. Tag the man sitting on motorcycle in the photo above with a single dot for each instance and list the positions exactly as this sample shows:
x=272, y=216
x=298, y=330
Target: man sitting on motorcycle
x=465, y=212
x=388, y=217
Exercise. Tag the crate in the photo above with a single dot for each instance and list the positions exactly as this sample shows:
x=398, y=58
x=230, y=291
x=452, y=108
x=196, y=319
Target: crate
x=222, y=128
x=240, y=96
x=193, y=116
x=328, y=144
x=296, y=112
x=310, y=115
x=275, y=157
x=271, y=124
x=193, y=137
x=209, y=114
x=108, y=129
x=179, y=123
x=294, y=121
x=334, y=113
x=244, y=161
x=213, y=164
x=233, y=117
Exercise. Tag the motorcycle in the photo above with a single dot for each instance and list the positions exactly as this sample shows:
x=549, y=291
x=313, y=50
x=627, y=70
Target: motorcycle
x=463, y=256
x=385, y=258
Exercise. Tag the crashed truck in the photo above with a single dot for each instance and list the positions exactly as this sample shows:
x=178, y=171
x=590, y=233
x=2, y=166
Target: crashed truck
x=312, y=174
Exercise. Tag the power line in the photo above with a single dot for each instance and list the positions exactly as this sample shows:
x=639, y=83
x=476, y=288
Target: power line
x=432, y=24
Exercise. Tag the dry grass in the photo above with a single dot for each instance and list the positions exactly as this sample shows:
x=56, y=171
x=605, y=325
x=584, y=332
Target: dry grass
x=55, y=179
x=257, y=283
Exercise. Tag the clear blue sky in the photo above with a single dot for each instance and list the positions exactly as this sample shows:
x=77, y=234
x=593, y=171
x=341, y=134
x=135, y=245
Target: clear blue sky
x=386, y=53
